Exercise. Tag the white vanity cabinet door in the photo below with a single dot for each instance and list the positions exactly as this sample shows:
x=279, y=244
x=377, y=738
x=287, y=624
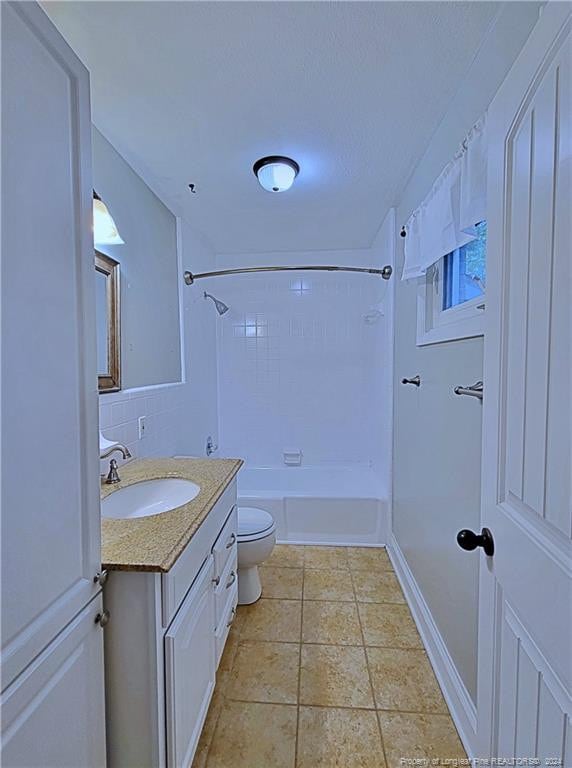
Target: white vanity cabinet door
x=190, y=668
x=53, y=713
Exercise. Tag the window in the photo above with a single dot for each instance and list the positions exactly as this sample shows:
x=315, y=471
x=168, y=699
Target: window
x=465, y=271
x=451, y=297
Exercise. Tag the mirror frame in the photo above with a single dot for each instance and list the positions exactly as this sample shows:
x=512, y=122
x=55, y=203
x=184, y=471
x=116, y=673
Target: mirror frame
x=111, y=381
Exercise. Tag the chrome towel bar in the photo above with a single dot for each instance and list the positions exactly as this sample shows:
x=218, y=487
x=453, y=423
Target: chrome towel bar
x=475, y=390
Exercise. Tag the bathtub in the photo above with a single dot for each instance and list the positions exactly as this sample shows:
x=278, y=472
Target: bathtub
x=317, y=505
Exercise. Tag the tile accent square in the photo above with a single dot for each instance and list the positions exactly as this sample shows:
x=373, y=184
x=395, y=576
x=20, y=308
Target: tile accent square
x=330, y=623
x=328, y=584
x=377, y=587
x=404, y=680
x=419, y=737
x=325, y=557
x=252, y=735
x=369, y=559
x=334, y=676
x=286, y=556
x=388, y=625
x=265, y=672
x=328, y=738
x=282, y=582
x=279, y=620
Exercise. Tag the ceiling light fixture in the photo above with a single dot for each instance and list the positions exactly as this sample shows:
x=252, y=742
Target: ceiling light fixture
x=105, y=231
x=276, y=173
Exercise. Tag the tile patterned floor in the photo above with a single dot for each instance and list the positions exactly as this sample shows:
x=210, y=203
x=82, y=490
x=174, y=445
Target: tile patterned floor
x=327, y=670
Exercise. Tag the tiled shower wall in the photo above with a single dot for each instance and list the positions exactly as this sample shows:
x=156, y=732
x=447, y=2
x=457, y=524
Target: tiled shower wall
x=303, y=362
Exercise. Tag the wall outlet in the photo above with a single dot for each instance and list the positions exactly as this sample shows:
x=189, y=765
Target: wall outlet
x=142, y=426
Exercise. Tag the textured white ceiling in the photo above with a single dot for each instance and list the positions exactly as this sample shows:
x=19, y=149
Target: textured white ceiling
x=197, y=91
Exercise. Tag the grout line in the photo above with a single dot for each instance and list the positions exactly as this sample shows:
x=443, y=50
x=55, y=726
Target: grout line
x=371, y=681
x=299, y=677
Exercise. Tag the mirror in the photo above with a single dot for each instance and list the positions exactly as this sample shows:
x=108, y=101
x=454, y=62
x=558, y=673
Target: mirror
x=107, y=317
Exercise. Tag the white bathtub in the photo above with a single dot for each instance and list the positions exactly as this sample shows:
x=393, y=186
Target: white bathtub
x=317, y=505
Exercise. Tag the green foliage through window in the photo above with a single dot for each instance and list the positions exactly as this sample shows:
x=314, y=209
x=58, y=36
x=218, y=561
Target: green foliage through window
x=465, y=270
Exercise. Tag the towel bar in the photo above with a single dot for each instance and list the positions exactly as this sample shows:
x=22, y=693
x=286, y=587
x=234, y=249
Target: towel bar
x=475, y=390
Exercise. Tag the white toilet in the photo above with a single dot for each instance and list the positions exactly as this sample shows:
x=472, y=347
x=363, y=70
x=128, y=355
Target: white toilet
x=256, y=539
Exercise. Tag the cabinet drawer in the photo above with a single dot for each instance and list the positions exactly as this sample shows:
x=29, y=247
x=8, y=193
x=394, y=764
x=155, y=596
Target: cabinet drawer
x=227, y=619
x=225, y=586
x=226, y=544
x=176, y=583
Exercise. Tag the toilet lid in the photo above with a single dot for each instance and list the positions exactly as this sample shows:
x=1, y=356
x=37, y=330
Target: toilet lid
x=252, y=520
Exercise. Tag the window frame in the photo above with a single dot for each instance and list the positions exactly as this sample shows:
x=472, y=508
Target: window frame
x=436, y=325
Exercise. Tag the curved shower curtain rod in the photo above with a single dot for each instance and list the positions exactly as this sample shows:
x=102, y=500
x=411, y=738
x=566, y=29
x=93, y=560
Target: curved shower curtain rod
x=384, y=272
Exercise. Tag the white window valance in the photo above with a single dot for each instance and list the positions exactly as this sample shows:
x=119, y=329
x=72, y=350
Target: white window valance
x=446, y=219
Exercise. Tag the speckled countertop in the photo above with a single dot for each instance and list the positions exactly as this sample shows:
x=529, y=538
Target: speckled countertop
x=154, y=543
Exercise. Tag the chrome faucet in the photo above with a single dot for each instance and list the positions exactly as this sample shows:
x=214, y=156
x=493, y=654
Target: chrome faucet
x=113, y=474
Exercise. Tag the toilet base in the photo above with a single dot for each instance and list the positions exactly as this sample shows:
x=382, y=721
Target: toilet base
x=249, y=585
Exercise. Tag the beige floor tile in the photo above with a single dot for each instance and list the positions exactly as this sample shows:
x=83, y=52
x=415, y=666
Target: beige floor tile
x=207, y=733
x=388, y=625
x=404, y=680
x=229, y=652
x=377, y=587
x=286, y=556
x=328, y=584
x=328, y=622
x=338, y=738
x=369, y=559
x=282, y=582
x=265, y=672
x=325, y=557
x=420, y=737
x=335, y=676
x=252, y=735
x=271, y=620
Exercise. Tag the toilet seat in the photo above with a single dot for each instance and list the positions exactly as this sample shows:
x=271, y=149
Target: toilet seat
x=254, y=523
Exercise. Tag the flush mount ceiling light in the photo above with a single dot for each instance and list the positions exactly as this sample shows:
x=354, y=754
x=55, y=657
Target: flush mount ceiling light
x=276, y=173
x=105, y=231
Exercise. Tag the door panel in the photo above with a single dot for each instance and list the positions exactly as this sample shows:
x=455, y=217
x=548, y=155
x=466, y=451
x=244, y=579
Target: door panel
x=525, y=604
x=50, y=467
x=190, y=668
x=53, y=713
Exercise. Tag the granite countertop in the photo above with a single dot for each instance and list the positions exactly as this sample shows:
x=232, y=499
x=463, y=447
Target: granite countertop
x=154, y=543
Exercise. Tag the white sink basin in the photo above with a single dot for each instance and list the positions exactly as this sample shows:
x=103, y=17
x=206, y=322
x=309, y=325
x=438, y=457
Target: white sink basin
x=150, y=497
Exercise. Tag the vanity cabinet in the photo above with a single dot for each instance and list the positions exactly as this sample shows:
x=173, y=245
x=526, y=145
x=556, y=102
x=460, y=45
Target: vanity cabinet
x=164, y=642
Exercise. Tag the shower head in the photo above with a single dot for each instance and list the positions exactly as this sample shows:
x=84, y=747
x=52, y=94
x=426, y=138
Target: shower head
x=221, y=307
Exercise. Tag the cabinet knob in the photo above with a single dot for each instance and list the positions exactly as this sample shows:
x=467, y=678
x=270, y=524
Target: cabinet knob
x=231, y=541
x=232, y=616
x=102, y=618
x=100, y=578
x=216, y=581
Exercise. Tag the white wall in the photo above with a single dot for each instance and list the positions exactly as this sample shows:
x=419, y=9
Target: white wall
x=299, y=368
x=437, y=444
x=150, y=340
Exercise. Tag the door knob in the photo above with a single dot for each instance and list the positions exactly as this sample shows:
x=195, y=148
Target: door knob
x=469, y=540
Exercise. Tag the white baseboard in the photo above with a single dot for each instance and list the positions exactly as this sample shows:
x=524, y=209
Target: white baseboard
x=461, y=706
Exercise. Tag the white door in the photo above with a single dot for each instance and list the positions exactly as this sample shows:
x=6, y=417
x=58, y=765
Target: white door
x=53, y=713
x=50, y=468
x=190, y=668
x=525, y=616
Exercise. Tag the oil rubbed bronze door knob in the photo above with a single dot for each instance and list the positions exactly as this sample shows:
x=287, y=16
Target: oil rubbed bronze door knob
x=470, y=540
